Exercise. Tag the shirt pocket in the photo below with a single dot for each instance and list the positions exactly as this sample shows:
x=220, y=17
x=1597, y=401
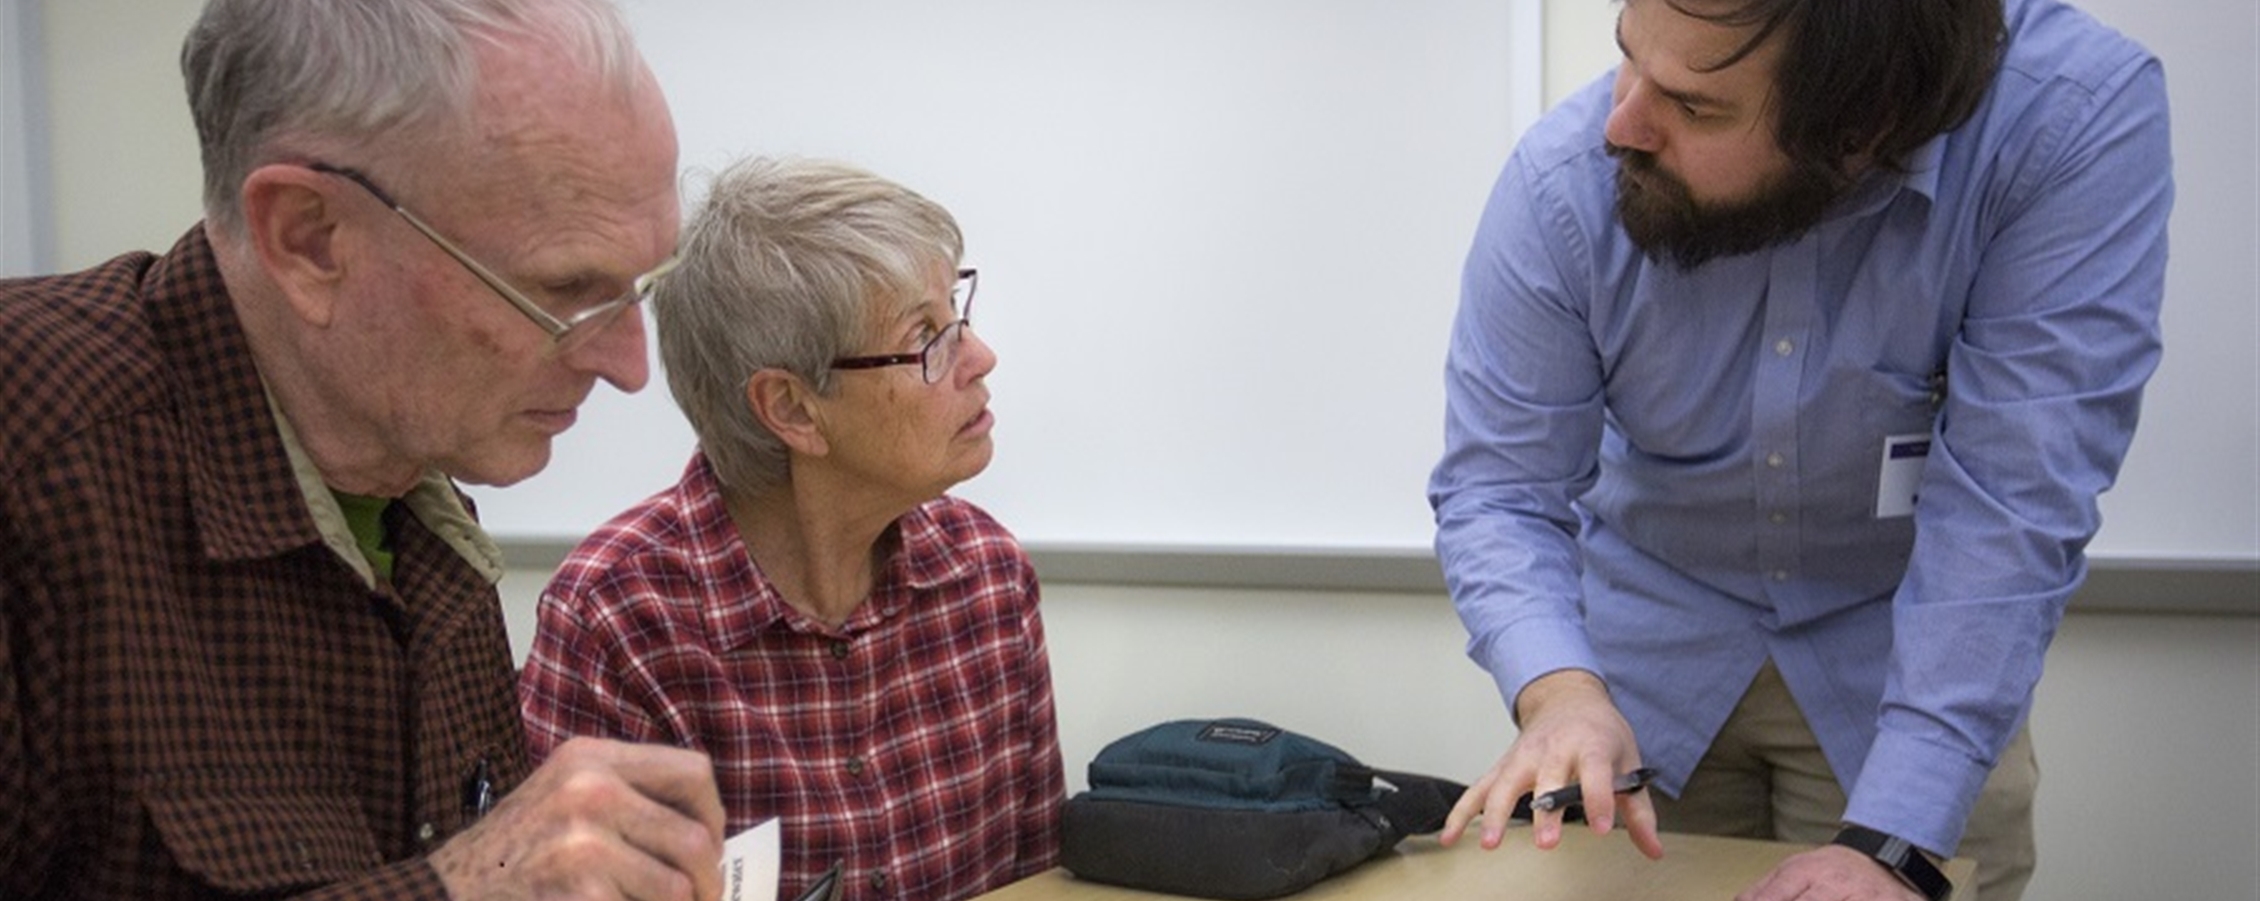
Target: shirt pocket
x=256, y=830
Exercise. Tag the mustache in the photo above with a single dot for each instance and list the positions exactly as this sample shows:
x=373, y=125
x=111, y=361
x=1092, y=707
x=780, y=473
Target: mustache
x=1631, y=158
x=1621, y=153
x=1641, y=177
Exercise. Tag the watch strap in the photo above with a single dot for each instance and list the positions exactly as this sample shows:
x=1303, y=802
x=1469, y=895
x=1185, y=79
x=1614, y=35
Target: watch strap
x=1899, y=856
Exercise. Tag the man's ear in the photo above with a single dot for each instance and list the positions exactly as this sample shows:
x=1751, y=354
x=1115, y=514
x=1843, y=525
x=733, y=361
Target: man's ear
x=788, y=407
x=291, y=218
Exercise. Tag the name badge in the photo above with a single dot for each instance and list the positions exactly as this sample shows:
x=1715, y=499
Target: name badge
x=1902, y=475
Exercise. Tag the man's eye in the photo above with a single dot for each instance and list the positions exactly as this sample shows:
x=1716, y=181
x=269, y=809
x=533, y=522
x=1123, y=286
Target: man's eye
x=574, y=294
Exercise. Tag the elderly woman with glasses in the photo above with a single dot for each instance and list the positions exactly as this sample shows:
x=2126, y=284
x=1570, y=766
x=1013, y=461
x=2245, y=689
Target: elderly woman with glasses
x=860, y=653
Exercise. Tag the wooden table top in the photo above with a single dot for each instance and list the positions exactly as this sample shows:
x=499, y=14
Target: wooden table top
x=1585, y=867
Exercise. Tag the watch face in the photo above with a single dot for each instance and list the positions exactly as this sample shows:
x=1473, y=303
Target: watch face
x=1895, y=851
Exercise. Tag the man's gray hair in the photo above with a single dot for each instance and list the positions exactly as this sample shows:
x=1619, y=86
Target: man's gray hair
x=784, y=265
x=270, y=80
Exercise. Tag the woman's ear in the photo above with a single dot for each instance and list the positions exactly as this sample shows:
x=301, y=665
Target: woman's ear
x=788, y=408
x=291, y=221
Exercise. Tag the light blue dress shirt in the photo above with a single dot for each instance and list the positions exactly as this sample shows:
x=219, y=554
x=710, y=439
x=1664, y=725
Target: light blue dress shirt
x=1668, y=476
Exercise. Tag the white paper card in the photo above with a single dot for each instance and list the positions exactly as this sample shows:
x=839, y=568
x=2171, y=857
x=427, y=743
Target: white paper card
x=750, y=863
x=1902, y=476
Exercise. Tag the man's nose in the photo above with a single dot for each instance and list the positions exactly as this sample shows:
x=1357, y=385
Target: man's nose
x=617, y=354
x=1628, y=124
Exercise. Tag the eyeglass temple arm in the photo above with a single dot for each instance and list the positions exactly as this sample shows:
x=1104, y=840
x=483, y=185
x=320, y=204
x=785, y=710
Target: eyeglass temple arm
x=525, y=305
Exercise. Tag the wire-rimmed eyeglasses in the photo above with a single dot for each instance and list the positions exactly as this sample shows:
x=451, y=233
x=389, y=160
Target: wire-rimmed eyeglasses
x=564, y=333
x=936, y=358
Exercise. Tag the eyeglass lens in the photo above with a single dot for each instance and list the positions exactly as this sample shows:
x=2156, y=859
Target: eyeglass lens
x=594, y=321
x=940, y=355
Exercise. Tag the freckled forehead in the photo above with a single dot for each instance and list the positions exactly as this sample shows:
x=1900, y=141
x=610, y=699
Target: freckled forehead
x=581, y=164
x=567, y=134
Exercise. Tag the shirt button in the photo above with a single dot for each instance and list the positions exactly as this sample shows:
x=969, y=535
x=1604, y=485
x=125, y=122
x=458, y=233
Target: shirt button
x=425, y=833
x=1775, y=460
x=855, y=766
x=1784, y=347
x=1781, y=575
x=839, y=650
x=878, y=880
x=1778, y=518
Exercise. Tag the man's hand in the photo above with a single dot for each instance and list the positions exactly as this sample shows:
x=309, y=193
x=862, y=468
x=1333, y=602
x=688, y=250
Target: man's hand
x=1830, y=872
x=1571, y=733
x=600, y=820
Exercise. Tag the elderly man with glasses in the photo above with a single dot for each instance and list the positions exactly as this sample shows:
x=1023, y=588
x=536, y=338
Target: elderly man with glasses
x=860, y=652
x=250, y=644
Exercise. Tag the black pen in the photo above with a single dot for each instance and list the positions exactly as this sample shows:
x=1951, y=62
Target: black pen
x=827, y=886
x=1574, y=794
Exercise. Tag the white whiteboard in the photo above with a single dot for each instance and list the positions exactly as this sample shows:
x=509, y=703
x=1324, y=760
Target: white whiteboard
x=2191, y=486
x=1220, y=245
x=1219, y=242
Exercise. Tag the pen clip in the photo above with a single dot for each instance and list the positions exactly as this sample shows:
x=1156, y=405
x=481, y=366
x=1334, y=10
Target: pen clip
x=1635, y=780
x=478, y=791
x=826, y=887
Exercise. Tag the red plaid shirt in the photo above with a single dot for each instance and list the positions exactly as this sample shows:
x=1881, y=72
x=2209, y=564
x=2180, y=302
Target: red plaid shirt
x=915, y=743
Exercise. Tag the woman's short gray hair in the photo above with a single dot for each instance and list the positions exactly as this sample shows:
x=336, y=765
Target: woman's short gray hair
x=783, y=265
x=268, y=79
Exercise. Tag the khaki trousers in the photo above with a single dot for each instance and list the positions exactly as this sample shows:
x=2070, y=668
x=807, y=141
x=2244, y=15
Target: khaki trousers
x=1765, y=777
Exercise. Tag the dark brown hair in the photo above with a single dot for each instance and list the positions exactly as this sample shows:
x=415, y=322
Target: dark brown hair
x=1881, y=76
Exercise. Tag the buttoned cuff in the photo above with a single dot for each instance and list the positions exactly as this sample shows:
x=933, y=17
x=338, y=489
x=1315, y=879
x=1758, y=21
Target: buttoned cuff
x=1520, y=654
x=1918, y=791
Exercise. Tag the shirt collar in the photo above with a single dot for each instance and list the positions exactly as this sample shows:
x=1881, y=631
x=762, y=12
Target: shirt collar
x=1918, y=175
x=257, y=494
x=922, y=561
x=241, y=482
x=433, y=501
x=1922, y=168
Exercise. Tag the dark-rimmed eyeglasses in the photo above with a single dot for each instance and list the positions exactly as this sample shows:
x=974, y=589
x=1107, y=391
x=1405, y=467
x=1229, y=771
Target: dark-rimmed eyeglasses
x=939, y=355
x=564, y=333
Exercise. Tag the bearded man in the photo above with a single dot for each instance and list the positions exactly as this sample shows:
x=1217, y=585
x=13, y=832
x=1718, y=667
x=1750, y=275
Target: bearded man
x=1790, y=361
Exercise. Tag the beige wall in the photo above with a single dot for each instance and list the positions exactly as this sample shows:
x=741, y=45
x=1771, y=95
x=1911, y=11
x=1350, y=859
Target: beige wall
x=1580, y=44
x=124, y=154
x=2148, y=725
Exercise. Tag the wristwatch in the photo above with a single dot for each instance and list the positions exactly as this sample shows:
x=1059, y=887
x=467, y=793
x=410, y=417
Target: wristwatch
x=1900, y=857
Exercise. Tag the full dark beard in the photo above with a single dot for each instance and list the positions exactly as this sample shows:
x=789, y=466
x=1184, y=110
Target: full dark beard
x=1665, y=222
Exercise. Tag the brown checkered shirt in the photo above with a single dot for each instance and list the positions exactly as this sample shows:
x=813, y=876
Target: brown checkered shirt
x=198, y=698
